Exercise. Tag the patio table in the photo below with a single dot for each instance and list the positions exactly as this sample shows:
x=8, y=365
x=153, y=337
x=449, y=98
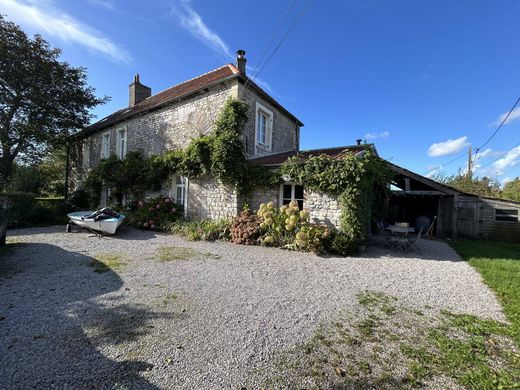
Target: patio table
x=401, y=230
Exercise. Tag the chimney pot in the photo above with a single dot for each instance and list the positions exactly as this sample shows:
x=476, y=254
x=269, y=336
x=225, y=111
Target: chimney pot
x=241, y=61
x=137, y=92
x=358, y=141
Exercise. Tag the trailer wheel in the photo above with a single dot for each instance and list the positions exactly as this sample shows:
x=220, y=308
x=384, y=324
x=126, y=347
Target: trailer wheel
x=68, y=228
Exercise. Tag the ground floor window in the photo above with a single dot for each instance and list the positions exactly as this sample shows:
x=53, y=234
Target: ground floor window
x=290, y=192
x=506, y=215
x=178, y=190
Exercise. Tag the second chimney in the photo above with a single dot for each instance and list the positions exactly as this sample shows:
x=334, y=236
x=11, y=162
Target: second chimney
x=137, y=92
x=241, y=61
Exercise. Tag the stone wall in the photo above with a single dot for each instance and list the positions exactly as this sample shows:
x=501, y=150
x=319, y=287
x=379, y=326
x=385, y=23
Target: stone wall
x=286, y=132
x=171, y=127
x=207, y=198
x=323, y=208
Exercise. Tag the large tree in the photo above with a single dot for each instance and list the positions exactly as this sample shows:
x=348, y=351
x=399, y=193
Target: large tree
x=42, y=99
x=512, y=190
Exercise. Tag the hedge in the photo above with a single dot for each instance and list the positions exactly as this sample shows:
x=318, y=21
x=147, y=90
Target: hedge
x=26, y=210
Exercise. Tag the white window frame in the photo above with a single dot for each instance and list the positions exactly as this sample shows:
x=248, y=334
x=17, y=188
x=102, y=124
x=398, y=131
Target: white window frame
x=173, y=191
x=267, y=145
x=85, y=153
x=105, y=147
x=293, y=190
x=122, y=142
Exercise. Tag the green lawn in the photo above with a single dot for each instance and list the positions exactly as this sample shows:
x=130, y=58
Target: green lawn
x=499, y=265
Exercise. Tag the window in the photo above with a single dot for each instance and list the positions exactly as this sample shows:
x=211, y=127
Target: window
x=121, y=143
x=178, y=190
x=506, y=215
x=263, y=127
x=105, y=145
x=85, y=154
x=290, y=192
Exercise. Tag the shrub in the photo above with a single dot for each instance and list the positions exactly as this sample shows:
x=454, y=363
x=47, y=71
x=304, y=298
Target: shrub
x=341, y=244
x=289, y=227
x=245, y=228
x=24, y=210
x=155, y=213
x=207, y=230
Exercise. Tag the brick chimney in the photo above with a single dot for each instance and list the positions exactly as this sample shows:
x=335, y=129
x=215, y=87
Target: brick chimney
x=241, y=61
x=137, y=92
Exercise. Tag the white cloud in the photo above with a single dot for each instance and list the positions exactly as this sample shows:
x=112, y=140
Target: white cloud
x=447, y=147
x=45, y=18
x=484, y=153
x=108, y=4
x=510, y=159
x=515, y=114
x=193, y=23
x=375, y=135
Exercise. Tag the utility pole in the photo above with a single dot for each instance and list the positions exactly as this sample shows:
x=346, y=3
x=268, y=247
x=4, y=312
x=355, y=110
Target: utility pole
x=469, y=174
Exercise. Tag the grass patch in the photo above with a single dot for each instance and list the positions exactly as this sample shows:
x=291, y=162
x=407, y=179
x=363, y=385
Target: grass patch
x=407, y=348
x=104, y=262
x=174, y=253
x=169, y=298
x=499, y=264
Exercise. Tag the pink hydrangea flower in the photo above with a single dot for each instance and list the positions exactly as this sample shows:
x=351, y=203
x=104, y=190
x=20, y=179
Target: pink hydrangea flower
x=151, y=222
x=158, y=206
x=141, y=203
x=150, y=209
x=174, y=210
x=152, y=226
x=145, y=224
x=167, y=200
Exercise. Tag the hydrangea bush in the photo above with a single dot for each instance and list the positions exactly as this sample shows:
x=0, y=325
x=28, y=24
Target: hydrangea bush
x=288, y=227
x=155, y=213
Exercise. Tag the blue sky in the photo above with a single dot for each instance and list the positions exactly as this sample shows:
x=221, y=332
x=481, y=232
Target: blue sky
x=421, y=79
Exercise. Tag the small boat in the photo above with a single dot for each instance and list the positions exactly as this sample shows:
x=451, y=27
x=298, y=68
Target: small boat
x=104, y=220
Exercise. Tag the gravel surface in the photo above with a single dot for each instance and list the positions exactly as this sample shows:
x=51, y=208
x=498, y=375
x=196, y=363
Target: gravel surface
x=215, y=320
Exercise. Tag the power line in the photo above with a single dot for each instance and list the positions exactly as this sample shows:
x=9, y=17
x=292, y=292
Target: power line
x=494, y=161
x=275, y=33
x=489, y=139
x=296, y=19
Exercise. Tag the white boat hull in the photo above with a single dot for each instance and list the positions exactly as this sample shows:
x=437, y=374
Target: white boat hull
x=108, y=226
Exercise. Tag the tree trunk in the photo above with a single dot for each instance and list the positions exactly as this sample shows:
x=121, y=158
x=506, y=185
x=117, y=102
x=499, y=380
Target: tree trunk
x=6, y=167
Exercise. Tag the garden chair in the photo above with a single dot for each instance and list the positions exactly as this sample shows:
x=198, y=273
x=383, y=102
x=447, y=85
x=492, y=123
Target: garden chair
x=384, y=234
x=407, y=243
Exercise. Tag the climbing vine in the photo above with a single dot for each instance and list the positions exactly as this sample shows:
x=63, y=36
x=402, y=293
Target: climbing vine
x=219, y=154
x=359, y=183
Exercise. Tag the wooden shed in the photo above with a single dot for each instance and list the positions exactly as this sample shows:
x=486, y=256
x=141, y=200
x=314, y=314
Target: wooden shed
x=458, y=214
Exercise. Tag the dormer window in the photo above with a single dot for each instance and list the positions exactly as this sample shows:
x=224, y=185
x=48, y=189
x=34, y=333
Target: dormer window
x=263, y=128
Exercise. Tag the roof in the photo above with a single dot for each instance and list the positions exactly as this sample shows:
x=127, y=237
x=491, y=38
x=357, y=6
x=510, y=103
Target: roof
x=178, y=92
x=336, y=152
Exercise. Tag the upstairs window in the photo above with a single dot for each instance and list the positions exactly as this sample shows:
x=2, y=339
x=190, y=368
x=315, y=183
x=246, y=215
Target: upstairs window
x=290, y=192
x=105, y=145
x=85, y=154
x=263, y=127
x=121, y=143
x=506, y=215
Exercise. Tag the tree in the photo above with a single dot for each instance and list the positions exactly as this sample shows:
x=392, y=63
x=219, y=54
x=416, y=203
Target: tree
x=42, y=100
x=479, y=186
x=512, y=190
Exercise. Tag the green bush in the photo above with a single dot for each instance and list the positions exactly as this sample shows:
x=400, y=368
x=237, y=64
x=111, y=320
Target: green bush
x=207, y=230
x=25, y=210
x=154, y=213
x=341, y=244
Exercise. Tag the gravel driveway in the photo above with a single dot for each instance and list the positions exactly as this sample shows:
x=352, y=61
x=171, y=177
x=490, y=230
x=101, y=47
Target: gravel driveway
x=210, y=321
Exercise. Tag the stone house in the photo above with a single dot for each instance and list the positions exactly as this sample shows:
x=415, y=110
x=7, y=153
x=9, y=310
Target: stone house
x=168, y=120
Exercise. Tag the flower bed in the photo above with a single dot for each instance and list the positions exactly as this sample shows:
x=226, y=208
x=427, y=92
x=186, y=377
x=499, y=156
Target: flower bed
x=155, y=213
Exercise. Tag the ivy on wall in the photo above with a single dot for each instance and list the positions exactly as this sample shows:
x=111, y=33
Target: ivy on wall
x=359, y=182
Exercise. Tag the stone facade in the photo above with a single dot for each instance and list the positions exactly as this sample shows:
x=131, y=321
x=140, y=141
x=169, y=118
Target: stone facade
x=208, y=199
x=322, y=208
x=285, y=134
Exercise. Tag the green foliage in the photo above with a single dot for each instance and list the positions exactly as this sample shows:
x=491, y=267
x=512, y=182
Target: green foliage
x=359, y=182
x=42, y=98
x=339, y=243
x=288, y=227
x=207, y=230
x=25, y=210
x=131, y=176
x=472, y=185
x=155, y=213
x=26, y=179
x=512, y=190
